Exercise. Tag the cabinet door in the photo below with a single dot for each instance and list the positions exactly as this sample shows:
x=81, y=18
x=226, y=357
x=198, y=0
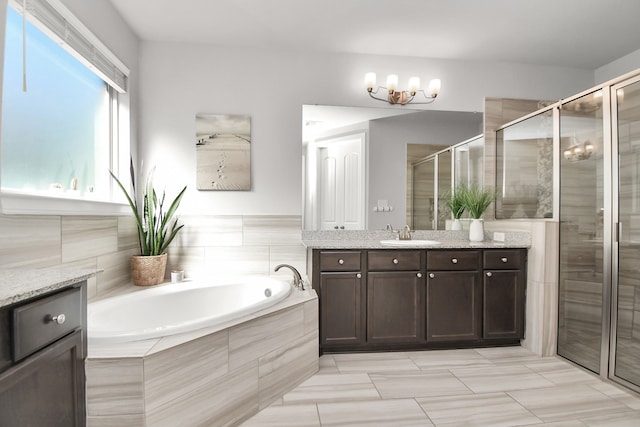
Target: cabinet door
x=394, y=307
x=46, y=389
x=341, y=309
x=454, y=306
x=503, y=304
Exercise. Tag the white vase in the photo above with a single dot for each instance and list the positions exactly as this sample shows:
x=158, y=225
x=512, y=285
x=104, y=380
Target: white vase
x=456, y=224
x=476, y=231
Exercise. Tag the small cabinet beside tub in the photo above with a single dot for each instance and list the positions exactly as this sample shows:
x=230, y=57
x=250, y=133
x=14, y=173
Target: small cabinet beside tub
x=42, y=353
x=379, y=300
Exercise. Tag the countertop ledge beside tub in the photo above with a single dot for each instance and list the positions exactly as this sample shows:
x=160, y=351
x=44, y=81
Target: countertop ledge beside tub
x=21, y=284
x=363, y=239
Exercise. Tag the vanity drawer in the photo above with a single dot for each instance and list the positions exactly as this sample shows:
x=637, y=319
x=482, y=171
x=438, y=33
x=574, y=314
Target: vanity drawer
x=453, y=260
x=394, y=260
x=503, y=259
x=340, y=261
x=37, y=324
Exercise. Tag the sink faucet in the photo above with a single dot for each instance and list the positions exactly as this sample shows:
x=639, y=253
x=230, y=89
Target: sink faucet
x=405, y=233
x=297, y=278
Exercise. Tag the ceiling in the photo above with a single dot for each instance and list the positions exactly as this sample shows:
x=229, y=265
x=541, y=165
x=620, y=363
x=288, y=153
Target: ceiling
x=574, y=33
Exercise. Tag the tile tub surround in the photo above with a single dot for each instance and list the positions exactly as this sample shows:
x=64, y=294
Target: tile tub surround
x=213, y=376
x=497, y=387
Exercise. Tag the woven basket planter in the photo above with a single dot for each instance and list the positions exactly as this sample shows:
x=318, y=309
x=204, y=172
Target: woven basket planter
x=148, y=270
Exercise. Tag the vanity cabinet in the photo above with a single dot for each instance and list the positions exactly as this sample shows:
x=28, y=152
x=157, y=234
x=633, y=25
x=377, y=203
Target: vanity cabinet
x=454, y=296
x=341, y=298
x=395, y=295
x=376, y=299
x=504, y=293
x=42, y=380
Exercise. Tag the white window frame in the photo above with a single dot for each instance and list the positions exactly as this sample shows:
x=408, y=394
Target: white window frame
x=57, y=22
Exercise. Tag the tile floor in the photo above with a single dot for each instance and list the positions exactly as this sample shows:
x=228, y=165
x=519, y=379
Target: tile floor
x=472, y=387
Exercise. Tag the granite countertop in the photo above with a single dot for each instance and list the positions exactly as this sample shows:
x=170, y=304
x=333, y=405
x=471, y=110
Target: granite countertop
x=358, y=239
x=21, y=284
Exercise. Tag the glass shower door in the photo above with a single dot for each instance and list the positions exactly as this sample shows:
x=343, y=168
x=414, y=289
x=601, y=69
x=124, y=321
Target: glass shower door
x=424, y=194
x=582, y=284
x=626, y=333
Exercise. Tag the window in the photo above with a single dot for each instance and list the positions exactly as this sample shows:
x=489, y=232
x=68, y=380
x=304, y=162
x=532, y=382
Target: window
x=59, y=137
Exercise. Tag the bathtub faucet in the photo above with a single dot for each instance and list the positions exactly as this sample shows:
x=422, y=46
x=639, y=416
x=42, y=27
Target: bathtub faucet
x=297, y=278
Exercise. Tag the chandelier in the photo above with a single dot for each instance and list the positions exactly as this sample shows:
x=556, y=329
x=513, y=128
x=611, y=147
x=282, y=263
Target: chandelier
x=579, y=151
x=402, y=97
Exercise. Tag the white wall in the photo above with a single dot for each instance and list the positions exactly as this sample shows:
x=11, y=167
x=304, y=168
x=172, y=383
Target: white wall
x=181, y=80
x=618, y=67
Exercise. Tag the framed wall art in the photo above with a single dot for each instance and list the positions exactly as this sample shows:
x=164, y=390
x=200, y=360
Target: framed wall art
x=223, y=152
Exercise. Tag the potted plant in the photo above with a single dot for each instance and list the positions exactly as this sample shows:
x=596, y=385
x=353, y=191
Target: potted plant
x=156, y=230
x=455, y=202
x=476, y=200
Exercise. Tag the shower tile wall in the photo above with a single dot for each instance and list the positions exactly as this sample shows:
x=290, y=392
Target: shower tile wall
x=207, y=245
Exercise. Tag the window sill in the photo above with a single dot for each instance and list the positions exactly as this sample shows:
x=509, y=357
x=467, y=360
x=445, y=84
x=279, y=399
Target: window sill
x=16, y=203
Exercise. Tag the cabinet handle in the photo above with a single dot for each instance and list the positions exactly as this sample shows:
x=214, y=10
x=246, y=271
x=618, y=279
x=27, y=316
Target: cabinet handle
x=454, y=260
x=340, y=261
x=431, y=275
x=395, y=260
x=489, y=274
x=335, y=227
x=59, y=319
x=504, y=259
x=359, y=275
x=419, y=275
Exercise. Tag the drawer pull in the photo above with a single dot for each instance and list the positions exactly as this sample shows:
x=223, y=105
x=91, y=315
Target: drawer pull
x=59, y=319
x=489, y=274
x=359, y=276
x=504, y=259
x=454, y=260
x=431, y=275
x=395, y=260
x=340, y=261
x=419, y=275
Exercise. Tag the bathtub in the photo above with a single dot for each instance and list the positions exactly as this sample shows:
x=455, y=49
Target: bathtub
x=180, y=307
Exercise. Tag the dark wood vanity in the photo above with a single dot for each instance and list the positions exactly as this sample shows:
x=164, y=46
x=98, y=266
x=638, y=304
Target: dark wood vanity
x=42, y=353
x=399, y=299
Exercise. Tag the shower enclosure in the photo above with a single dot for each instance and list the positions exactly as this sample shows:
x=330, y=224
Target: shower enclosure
x=591, y=142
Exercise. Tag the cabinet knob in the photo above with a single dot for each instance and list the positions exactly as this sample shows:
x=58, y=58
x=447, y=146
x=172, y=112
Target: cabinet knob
x=504, y=259
x=59, y=319
x=395, y=260
x=359, y=275
x=341, y=261
x=431, y=275
x=335, y=227
x=419, y=275
x=489, y=274
x=454, y=260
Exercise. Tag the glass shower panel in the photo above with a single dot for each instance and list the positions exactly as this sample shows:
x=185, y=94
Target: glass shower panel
x=627, y=365
x=468, y=159
x=423, y=194
x=581, y=231
x=444, y=186
x=524, y=168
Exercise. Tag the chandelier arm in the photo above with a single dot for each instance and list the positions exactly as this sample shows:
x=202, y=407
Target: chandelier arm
x=371, y=94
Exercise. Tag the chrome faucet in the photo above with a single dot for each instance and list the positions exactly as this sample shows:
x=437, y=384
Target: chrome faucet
x=405, y=233
x=297, y=278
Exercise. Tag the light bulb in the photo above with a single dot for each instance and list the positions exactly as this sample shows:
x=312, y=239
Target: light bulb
x=392, y=82
x=370, y=81
x=414, y=85
x=434, y=87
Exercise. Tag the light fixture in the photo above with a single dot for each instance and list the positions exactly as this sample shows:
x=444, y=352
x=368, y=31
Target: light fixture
x=578, y=151
x=402, y=97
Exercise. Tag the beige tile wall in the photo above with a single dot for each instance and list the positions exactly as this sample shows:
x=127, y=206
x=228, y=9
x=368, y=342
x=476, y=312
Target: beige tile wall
x=208, y=245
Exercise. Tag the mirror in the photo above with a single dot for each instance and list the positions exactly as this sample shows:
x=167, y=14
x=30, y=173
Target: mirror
x=355, y=161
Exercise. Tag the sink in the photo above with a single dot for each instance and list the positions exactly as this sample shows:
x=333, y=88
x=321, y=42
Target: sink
x=409, y=243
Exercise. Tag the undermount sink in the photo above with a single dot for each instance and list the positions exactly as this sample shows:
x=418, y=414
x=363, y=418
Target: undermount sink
x=409, y=242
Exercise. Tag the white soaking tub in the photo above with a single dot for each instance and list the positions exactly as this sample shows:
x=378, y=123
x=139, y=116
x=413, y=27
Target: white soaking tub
x=180, y=307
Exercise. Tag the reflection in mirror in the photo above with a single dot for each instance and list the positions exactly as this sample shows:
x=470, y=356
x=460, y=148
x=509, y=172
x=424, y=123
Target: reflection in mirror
x=431, y=179
x=385, y=135
x=524, y=168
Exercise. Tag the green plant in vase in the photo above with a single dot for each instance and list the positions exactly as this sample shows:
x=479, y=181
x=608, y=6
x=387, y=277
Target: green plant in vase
x=156, y=229
x=455, y=202
x=476, y=200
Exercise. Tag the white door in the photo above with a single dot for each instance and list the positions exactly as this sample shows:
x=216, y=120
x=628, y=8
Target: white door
x=341, y=185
